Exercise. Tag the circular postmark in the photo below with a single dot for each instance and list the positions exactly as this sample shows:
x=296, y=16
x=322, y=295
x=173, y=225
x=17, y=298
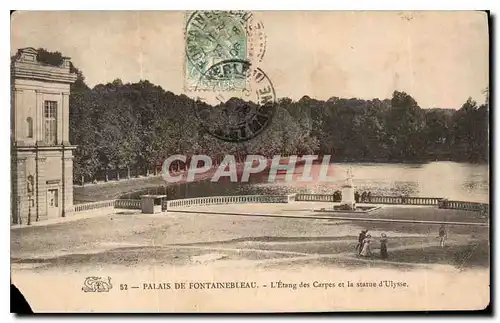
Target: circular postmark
x=243, y=112
x=257, y=40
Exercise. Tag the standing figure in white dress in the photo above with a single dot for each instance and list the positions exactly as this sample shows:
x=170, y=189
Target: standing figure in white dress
x=367, y=249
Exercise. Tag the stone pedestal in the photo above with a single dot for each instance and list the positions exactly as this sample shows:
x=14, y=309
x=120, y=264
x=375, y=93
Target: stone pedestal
x=348, y=201
x=151, y=204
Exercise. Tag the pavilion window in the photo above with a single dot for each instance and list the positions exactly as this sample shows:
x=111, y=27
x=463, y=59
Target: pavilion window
x=50, y=114
x=29, y=125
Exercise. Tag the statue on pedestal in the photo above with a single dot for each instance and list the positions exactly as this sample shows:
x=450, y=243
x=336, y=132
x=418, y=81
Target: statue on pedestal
x=29, y=184
x=348, y=201
x=30, y=191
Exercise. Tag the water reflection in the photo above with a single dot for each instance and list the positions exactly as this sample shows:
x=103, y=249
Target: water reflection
x=452, y=180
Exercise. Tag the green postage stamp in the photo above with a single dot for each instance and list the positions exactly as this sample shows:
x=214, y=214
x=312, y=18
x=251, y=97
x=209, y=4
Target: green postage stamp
x=213, y=37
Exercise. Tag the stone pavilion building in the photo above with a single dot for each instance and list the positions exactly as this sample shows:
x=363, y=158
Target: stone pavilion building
x=41, y=154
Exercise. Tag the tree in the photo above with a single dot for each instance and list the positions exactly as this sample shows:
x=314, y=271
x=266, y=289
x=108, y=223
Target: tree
x=138, y=125
x=405, y=123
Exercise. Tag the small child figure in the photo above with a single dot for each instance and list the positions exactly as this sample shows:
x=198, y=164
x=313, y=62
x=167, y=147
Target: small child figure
x=383, y=247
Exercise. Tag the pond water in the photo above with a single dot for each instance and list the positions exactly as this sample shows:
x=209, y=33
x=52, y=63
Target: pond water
x=457, y=181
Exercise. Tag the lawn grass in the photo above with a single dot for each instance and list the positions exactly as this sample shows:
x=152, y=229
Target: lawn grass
x=418, y=214
x=173, y=239
x=133, y=256
x=473, y=254
x=114, y=189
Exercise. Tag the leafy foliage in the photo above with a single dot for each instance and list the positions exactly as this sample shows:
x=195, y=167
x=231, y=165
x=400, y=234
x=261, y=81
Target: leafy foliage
x=136, y=126
x=49, y=58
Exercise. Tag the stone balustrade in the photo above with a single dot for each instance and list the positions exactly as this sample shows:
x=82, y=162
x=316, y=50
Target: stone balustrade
x=128, y=204
x=406, y=200
x=240, y=199
x=94, y=205
x=375, y=199
x=421, y=200
x=461, y=205
x=314, y=197
x=379, y=199
x=215, y=200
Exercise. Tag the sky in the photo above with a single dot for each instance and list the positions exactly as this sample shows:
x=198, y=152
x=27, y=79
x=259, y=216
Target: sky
x=440, y=58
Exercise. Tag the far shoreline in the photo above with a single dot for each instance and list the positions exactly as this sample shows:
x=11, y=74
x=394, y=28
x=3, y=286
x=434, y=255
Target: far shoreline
x=136, y=185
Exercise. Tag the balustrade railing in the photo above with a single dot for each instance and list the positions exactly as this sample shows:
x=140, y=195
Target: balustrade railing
x=314, y=197
x=217, y=200
x=377, y=199
x=94, y=205
x=407, y=200
x=462, y=205
x=128, y=204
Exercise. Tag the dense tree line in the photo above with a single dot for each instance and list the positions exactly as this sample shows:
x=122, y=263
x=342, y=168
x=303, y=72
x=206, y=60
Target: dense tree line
x=134, y=127
x=119, y=126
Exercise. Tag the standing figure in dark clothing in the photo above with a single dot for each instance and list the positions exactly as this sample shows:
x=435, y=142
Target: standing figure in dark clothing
x=383, y=247
x=442, y=236
x=369, y=197
x=361, y=238
x=337, y=196
x=356, y=196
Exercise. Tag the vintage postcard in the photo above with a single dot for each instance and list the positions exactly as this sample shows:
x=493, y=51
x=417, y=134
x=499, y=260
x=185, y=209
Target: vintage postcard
x=250, y=161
